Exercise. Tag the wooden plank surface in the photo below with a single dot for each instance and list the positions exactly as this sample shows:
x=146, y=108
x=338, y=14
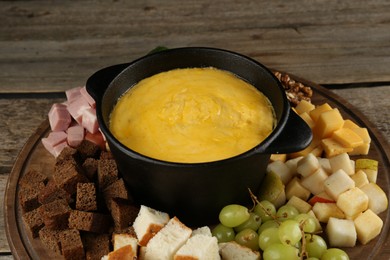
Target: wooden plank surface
x=48, y=46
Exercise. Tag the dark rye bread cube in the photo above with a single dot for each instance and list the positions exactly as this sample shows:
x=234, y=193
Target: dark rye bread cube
x=117, y=189
x=123, y=213
x=67, y=174
x=96, y=245
x=89, y=221
x=90, y=166
x=32, y=178
x=71, y=244
x=55, y=214
x=51, y=239
x=86, y=197
x=88, y=149
x=52, y=192
x=68, y=153
x=28, y=196
x=106, y=155
x=33, y=222
x=107, y=173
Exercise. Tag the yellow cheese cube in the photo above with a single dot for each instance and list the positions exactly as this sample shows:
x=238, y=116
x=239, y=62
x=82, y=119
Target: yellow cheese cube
x=363, y=133
x=324, y=211
x=314, y=143
x=368, y=225
x=316, y=112
x=309, y=121
x=301, y=205
x=347, y=137
x=350, y=124
x=352, y=201
x=333, y=148
x=328, y=122
x=304, y=107
x=360, y=150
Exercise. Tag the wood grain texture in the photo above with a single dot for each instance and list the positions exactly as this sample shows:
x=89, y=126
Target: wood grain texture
x=49, y=46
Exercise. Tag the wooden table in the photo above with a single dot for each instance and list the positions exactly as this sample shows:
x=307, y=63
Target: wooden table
x=47, y=47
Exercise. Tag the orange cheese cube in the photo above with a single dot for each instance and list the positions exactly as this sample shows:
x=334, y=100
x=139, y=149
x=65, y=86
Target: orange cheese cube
x=328, y=122
x=316, y=112
x=350, y=124
x=347, y=137
x=333, y=148
x=304, y=107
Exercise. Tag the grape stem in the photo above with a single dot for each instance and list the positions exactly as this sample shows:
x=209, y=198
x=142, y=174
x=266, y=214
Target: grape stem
x=256, y=201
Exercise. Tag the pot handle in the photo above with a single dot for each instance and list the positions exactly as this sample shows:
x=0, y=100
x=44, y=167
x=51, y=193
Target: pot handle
x=295, y=136
x=97, y=83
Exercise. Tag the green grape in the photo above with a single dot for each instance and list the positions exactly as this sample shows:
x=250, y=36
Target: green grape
x=266, y=225
x=315, y=245
x=268, y=237
x=335, y=254
x=223, y=233
x=312, y=258
x=233, y=215
x=248, y=238
x=307, y=222
x=286, y=212
x=289, y=232
x=269, y=207
x=281, y=252
x=253, y=223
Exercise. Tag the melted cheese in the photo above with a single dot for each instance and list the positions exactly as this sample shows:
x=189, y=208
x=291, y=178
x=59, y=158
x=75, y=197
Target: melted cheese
x=192, y=115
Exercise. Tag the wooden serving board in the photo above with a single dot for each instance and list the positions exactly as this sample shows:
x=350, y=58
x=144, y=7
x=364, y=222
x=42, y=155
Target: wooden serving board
x=34, y=156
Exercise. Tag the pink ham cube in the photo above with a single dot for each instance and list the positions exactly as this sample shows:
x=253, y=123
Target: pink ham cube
x=72, y=93
x=89, y=120
x=76, y=107
x=88, y=97
x=75, y=135
x=55, y=142
x=59, y=117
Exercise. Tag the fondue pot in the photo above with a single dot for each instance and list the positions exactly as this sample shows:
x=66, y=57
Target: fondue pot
x=196, y=192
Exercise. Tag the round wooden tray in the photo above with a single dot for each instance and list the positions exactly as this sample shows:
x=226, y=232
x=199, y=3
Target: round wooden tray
x=34, y=156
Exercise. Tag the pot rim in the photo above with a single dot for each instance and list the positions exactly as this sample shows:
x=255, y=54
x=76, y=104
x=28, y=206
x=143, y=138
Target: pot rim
x=260, y=148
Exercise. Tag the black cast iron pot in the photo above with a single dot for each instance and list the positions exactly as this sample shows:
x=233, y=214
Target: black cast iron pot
x=196, y=192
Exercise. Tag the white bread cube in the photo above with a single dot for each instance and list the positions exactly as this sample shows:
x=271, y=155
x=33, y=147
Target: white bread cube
x=337, y=183
x=234, y=251
x=360, y=178
x=341, y=232
x=324, y=211
x=301, y=205
x=202, y=231
x=125, y=239
x=342, y=161
x=295, y=188
x=308, y=165
x=352, y=201
x=280, y=169
x=199, y=247
x=148, y=223
x=377, y=199
x=368, y=225
x=125, y=252
x=168, y=240
x=315, y=182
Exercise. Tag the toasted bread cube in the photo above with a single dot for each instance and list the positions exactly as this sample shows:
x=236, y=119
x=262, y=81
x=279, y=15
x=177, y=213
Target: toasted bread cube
x=125, y=239
x=337, y=183
x=280, y=169
x=309, y=121
x=352, y=201
x=308, y=165
x=377, y=199
x=341, y=232
x=333, y=148
x=232, y=250
x=319, y=110
x=304, y=107
x=327, y=123
x=347, y=137
x=360, y=178
x=301, y=205
x=324, y=211
x=315, y=182
x=368, y=225
x=295, y=188
x=342, y=161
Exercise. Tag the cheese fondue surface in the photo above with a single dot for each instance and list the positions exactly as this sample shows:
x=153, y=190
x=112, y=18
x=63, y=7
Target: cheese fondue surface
x=192, y=115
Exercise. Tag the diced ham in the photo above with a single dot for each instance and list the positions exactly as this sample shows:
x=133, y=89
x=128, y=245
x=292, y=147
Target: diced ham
x=89, y=120
x=54, y=141
x=76, y=107
x=96, y=139
x=73, y=93
x=88, y=97
x=59, y=117
x=75, y=135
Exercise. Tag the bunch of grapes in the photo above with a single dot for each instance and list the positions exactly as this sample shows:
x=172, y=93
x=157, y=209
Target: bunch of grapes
x=281, y=233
